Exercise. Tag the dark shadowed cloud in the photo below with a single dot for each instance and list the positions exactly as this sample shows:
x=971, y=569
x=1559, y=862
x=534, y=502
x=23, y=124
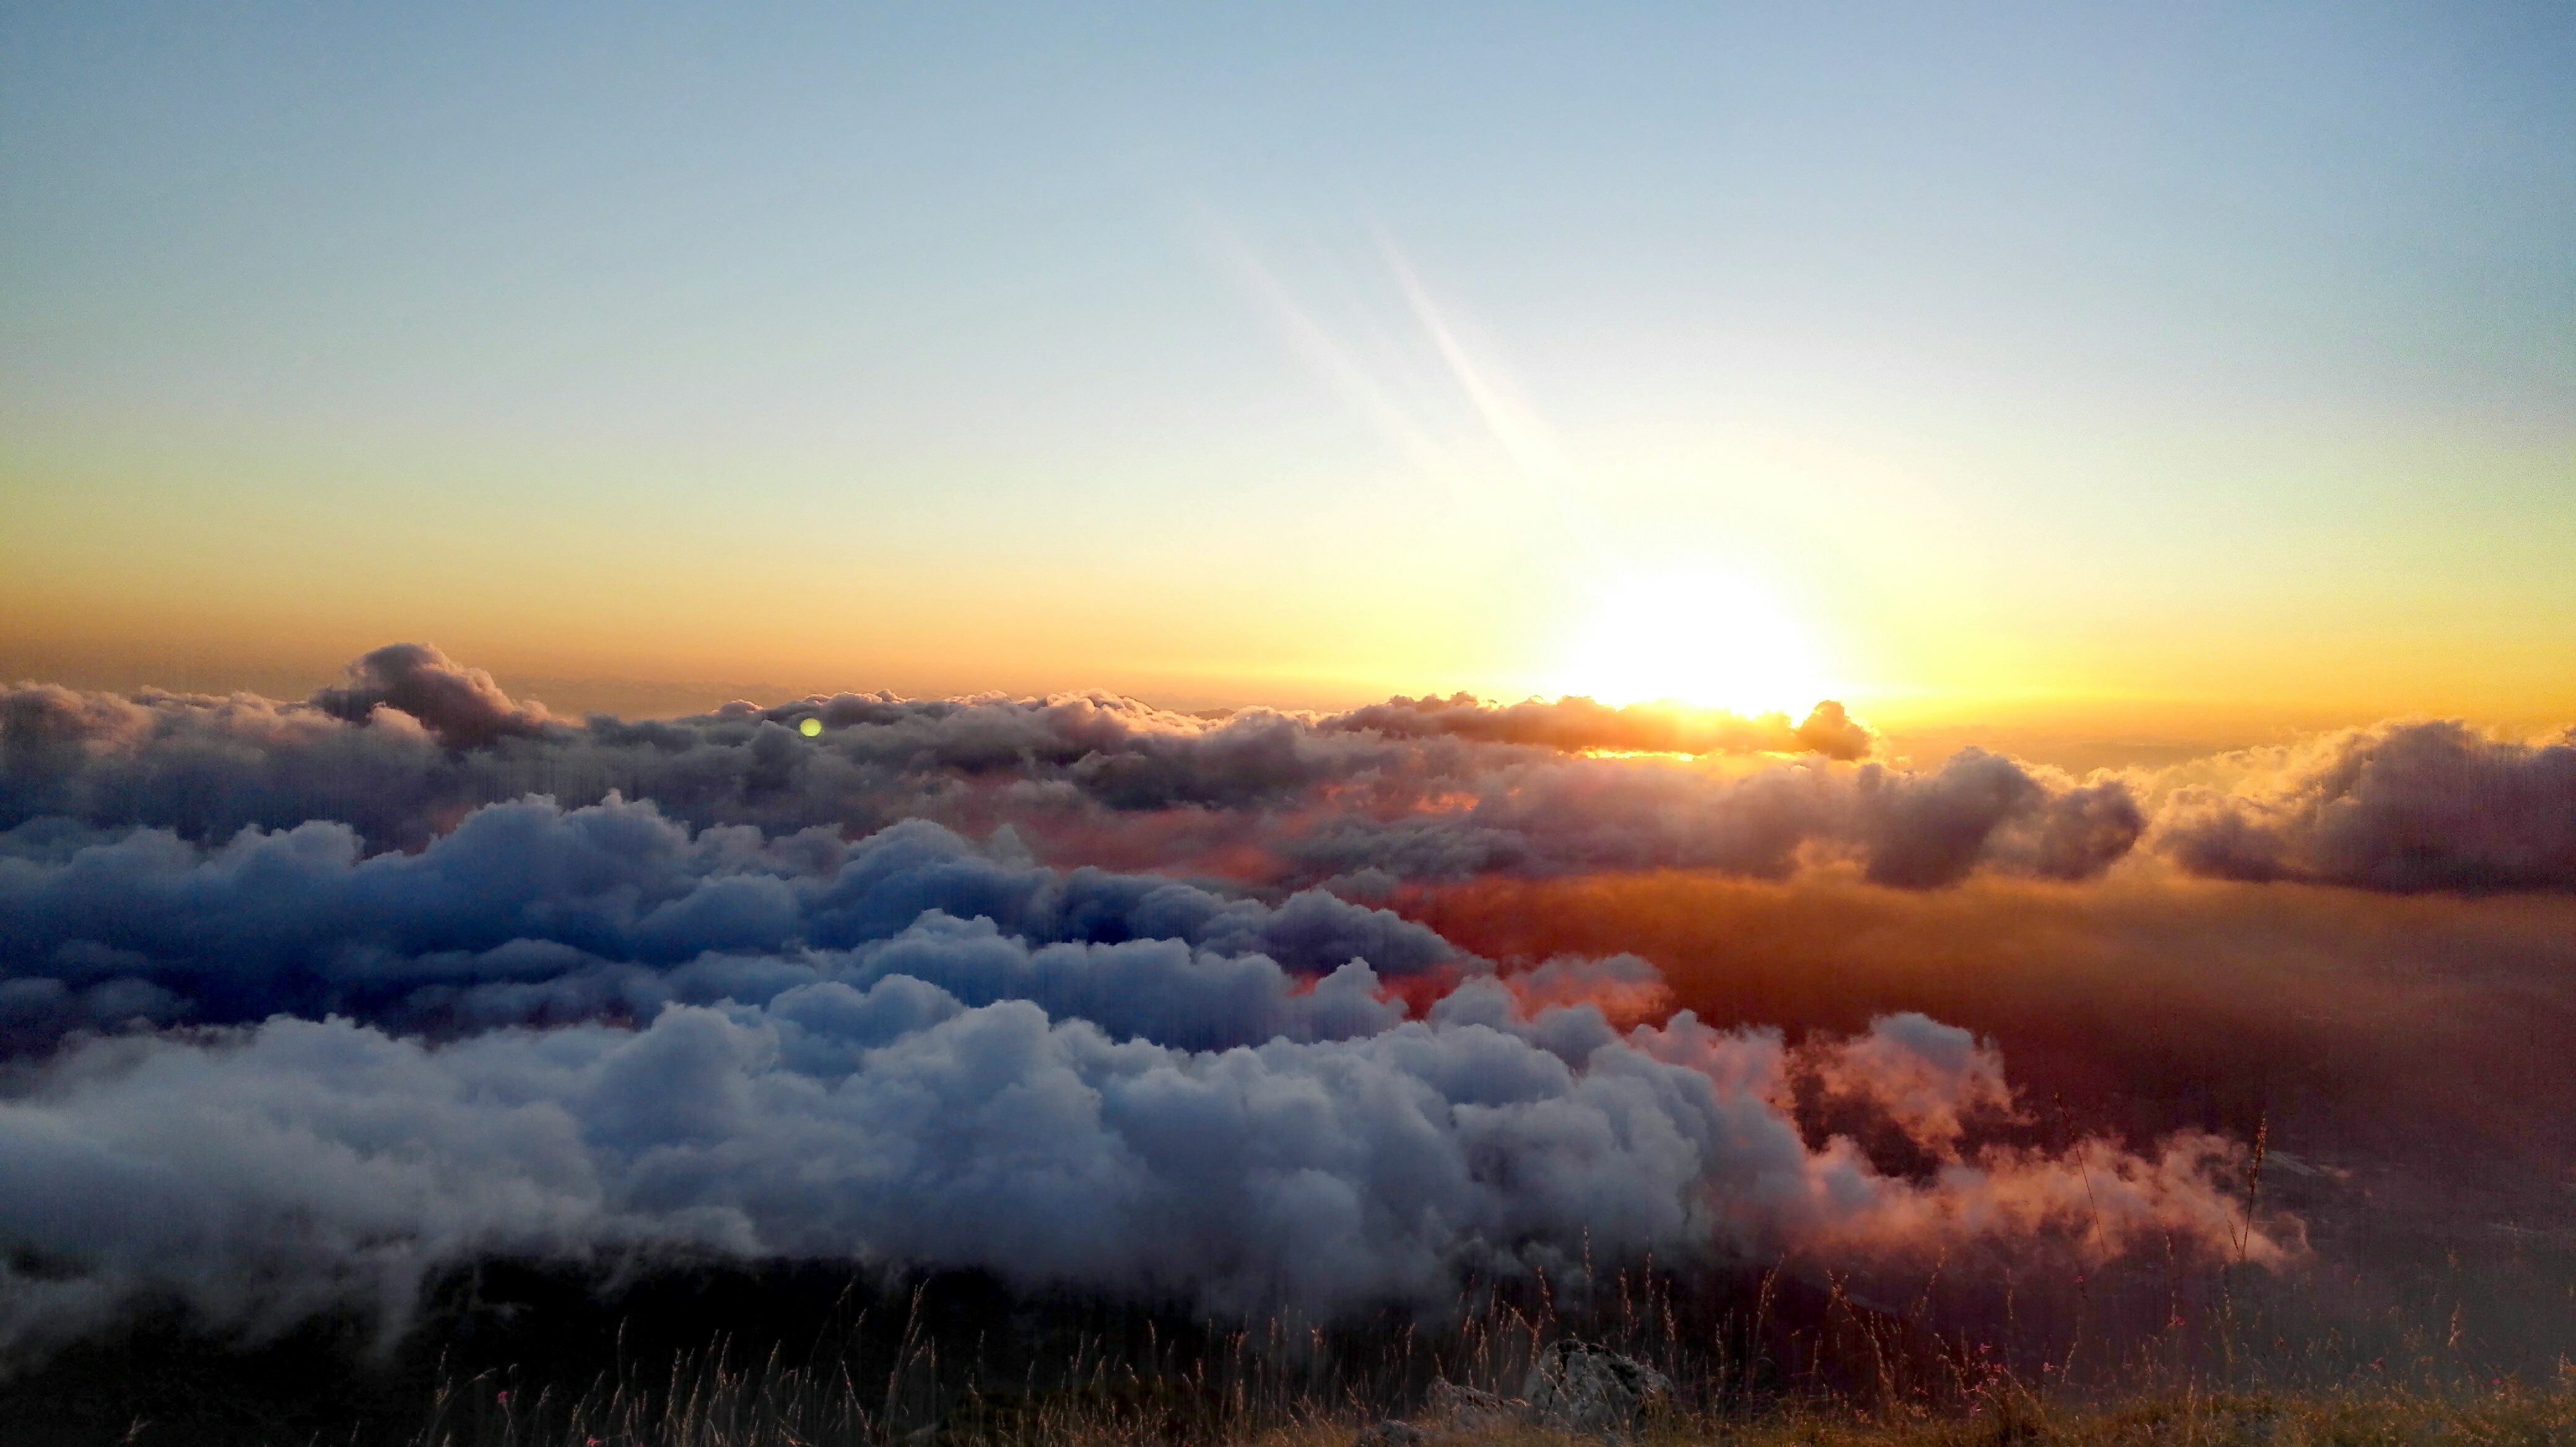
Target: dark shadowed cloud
x=2402, y=806
x=462, y=706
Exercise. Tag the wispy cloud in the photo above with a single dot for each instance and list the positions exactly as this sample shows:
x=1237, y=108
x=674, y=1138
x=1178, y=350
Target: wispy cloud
x=1406, y=362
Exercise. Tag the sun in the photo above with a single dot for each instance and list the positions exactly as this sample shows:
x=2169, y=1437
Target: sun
x=1706, y=638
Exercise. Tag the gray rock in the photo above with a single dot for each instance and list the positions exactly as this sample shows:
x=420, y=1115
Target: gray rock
x=1578, y=1387
x=1464, y=1409
x=1391, y=1433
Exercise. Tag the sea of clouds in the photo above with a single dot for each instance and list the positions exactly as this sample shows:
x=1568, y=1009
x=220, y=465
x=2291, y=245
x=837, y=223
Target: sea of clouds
x=305, y=1002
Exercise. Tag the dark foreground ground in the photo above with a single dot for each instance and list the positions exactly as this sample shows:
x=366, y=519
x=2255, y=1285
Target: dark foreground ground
x=507, y=1353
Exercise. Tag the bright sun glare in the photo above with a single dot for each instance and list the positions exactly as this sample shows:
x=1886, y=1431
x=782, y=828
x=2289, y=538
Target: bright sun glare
x=1697, y=637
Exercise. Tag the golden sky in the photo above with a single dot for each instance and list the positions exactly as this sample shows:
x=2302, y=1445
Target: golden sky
x=2106, y=377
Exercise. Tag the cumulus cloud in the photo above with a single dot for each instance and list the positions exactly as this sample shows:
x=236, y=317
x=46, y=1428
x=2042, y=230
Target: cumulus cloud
x=270, y=1172
x=462, y=706
x=2403, y=807
x=1928, y=830
x=615, y=908
x=1910, y=829
x=1926, y=1080
x=207, y=766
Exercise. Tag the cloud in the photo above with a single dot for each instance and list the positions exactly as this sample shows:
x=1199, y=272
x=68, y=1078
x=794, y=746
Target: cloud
x=2423, y=1036
x=270, y=1172
x=415, y=743
x=1412, y=789
x=301, y=1002
x=2401, y=807
x=1912, y=829
x=1576, y=724
x=614, y=907
x=207, y=766
x=1926, y=1080
x=1924, y=831
x=462, y=706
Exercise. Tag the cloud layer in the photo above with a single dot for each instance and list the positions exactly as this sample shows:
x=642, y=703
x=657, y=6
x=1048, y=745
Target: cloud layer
x=1408, y=789
x=1576, y=724
x=590, y=1033
x=530, y=910
x=266, y=1173
x=302, y=1002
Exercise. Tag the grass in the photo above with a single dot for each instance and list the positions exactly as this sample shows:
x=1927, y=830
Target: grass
x=1773, y=1366
x=781, y=1412
x=2429, y=1348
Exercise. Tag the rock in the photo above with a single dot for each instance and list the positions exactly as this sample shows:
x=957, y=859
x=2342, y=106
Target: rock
x=1578, y=1387
x=1464, y=1409
x=1391, y=1433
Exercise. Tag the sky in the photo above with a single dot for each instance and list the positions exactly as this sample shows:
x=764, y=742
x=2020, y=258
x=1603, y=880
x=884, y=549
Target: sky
x=2197, y=372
